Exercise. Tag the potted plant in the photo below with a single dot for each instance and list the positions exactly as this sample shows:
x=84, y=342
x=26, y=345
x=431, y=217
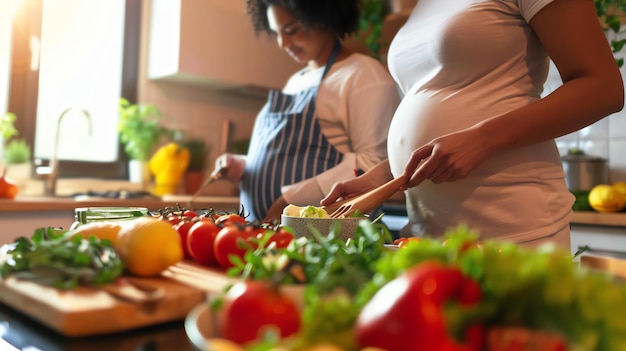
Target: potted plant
x=15, y=153
x=140, y=132
x=17, y=157
x=7, y=129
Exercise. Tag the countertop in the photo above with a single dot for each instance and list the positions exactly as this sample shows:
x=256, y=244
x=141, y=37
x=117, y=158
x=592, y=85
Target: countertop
x=613, y=219
x=43, y=203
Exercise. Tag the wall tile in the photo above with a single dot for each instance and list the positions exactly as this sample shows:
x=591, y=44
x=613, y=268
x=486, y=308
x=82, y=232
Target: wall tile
x=617, y=125
x=617, y=161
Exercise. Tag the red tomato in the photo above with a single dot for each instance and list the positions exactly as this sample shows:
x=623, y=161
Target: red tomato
x=190, y=214
x=230, y=218
x=226, y=243
x=281, y=238
x=251, y=306
x=171, y=218
x=200, y=240
x=182, y=228
x=424, y=289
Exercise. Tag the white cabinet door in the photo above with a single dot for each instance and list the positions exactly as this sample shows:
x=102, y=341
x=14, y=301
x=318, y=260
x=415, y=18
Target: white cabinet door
x=598, y=237
x=212, y=43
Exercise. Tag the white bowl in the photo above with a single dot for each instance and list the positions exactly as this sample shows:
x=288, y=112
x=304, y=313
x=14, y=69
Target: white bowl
x=347, y=226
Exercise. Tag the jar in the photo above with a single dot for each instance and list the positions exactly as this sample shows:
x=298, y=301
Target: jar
x=84, y=215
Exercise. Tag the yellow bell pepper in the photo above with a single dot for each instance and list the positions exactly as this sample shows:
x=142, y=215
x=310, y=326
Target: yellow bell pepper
x=168, y=165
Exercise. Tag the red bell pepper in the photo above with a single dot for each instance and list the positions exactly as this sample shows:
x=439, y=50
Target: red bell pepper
x=407, y=313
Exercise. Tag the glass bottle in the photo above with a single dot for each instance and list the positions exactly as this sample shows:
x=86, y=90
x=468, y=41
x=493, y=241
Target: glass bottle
x=84, y=215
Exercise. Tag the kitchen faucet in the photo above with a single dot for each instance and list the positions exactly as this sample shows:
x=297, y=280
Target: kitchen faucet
x=51, y=172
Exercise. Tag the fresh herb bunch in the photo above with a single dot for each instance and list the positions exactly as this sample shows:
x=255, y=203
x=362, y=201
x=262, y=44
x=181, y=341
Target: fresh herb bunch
x=325, y=262
x=51, y=257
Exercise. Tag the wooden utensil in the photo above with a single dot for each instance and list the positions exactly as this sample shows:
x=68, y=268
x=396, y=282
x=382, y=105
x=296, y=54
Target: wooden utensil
x=369, y=201
x=216, y=175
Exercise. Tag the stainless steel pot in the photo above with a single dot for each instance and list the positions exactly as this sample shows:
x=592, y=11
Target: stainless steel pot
x=583, y=172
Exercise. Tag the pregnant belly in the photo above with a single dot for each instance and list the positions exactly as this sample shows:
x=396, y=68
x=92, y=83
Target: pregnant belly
x=422, y=117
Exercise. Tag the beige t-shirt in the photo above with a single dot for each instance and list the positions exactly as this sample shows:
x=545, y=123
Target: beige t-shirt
x=354, y=106
x=459, y=62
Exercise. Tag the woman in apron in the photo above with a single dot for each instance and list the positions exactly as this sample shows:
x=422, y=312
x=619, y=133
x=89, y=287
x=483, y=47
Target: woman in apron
x=330, y=119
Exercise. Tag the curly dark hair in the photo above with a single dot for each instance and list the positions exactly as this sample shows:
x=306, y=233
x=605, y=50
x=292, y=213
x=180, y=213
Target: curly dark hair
x=338, y=16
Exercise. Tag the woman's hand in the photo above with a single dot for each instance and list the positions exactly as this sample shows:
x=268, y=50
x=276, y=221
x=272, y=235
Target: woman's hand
x=273, y=214
x=350, y=188
x=448, y=158
x=234, y=165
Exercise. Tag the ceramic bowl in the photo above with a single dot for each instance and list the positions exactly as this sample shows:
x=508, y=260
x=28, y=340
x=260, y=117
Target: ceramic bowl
x=347, y=226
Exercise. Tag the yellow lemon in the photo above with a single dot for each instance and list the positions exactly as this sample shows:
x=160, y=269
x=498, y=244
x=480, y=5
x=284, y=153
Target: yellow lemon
x=605, y=198
x=101, y=230
x=621, y=187
x=148, y=246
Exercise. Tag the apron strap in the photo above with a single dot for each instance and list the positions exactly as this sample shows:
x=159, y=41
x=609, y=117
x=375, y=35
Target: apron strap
x=332, y=58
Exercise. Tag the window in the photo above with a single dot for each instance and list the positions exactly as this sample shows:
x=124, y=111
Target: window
x=89, y=58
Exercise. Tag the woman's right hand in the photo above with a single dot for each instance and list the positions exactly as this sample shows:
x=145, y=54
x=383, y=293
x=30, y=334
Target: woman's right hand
x=234, y=165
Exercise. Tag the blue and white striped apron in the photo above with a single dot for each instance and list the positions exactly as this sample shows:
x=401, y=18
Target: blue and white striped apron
x=287, y=146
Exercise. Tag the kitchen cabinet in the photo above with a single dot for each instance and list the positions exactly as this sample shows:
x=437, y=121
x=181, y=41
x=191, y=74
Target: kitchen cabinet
x=212, y=43
x=602, y=231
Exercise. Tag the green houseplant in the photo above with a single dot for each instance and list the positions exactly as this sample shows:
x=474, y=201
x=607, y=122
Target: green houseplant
x=140, y=129
x=609, y=12
x=7, y=126
x=373, y=13
x=16, y=151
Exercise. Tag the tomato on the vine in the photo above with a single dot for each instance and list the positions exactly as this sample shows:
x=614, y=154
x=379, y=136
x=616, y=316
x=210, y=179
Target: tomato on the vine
x=182, y=227
x=200, y=241
x=189, y=213
x=230, y=218
x=227, y=243
x=281, y=238
x=251, y=307
x=171, y=218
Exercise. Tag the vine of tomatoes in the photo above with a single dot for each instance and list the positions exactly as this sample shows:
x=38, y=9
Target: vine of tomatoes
x=221, y=238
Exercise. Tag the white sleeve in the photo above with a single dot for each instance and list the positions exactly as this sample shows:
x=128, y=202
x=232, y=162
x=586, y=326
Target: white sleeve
x=529, y=8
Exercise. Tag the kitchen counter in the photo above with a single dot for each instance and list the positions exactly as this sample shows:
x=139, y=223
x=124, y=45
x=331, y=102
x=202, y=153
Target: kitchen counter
x=21, y=216
x=615, y=219
x=43, y=203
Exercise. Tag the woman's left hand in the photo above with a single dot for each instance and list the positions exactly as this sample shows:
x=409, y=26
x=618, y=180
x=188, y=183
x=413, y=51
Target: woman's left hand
x=273, y=214
x=448, y=158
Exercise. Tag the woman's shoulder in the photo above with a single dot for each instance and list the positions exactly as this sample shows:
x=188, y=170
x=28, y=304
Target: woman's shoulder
x=359, y=66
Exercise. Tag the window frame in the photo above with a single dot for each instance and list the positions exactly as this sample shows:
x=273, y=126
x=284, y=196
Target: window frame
x=24, y=85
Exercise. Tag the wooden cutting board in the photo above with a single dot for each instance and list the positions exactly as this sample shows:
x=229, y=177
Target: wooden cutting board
x=90, y=311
